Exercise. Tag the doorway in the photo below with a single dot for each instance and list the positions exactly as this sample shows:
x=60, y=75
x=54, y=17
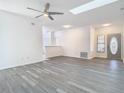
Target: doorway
x=114, y=46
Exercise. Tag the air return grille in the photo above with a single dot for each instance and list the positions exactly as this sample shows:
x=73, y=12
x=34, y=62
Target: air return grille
x=84, y=54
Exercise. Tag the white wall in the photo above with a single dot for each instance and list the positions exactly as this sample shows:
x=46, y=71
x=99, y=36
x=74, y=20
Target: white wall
x=92, y=42
x=54, y=51
x=115, y=28
x=75, y=41
x=20, y=42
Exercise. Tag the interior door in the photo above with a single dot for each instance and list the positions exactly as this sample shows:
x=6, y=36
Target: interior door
x=114, y=46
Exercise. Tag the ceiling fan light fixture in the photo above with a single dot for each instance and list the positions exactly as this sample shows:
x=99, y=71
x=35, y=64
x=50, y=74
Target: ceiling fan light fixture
x=46, y=12
x=46, y=15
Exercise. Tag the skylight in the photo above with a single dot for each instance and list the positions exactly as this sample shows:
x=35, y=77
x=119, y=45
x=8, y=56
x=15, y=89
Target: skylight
x=91, y=5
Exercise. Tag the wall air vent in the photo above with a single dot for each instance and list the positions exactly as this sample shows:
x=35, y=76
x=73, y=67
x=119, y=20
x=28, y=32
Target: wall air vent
x=84, y=55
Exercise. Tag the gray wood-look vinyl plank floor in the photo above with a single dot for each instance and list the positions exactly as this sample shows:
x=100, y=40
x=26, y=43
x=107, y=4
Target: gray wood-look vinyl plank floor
x=65, y=75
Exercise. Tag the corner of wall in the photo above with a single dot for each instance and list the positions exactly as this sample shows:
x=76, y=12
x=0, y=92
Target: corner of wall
x=123, y=42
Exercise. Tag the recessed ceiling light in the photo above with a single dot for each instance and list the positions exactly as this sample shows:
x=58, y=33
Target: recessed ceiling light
x=66, y=26
x=106, y=25
x=91, y=5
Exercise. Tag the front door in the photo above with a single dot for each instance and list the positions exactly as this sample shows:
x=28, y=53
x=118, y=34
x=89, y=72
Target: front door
x=114, y=46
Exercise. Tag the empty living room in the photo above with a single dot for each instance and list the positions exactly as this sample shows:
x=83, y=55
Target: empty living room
x=61, y=46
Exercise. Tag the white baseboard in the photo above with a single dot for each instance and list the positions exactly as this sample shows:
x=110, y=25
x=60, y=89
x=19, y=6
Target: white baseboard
x=46, y=59
x=80, y=57
x=18, y=65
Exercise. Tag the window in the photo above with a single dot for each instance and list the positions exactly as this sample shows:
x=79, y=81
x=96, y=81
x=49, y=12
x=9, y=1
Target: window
x=58, y=38
x=46, y=38
x=49, y=38
x=101, y=43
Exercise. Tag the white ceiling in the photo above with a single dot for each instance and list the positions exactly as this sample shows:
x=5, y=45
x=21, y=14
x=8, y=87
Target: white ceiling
x=104, y=14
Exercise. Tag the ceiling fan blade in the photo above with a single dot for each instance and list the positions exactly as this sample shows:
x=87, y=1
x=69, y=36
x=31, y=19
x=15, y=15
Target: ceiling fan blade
x=47, y=6
x=34, y=9
x=51, y=17
x=39, y=16
x=55, y=13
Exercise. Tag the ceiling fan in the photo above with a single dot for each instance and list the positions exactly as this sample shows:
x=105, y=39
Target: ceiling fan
x=46, y=12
